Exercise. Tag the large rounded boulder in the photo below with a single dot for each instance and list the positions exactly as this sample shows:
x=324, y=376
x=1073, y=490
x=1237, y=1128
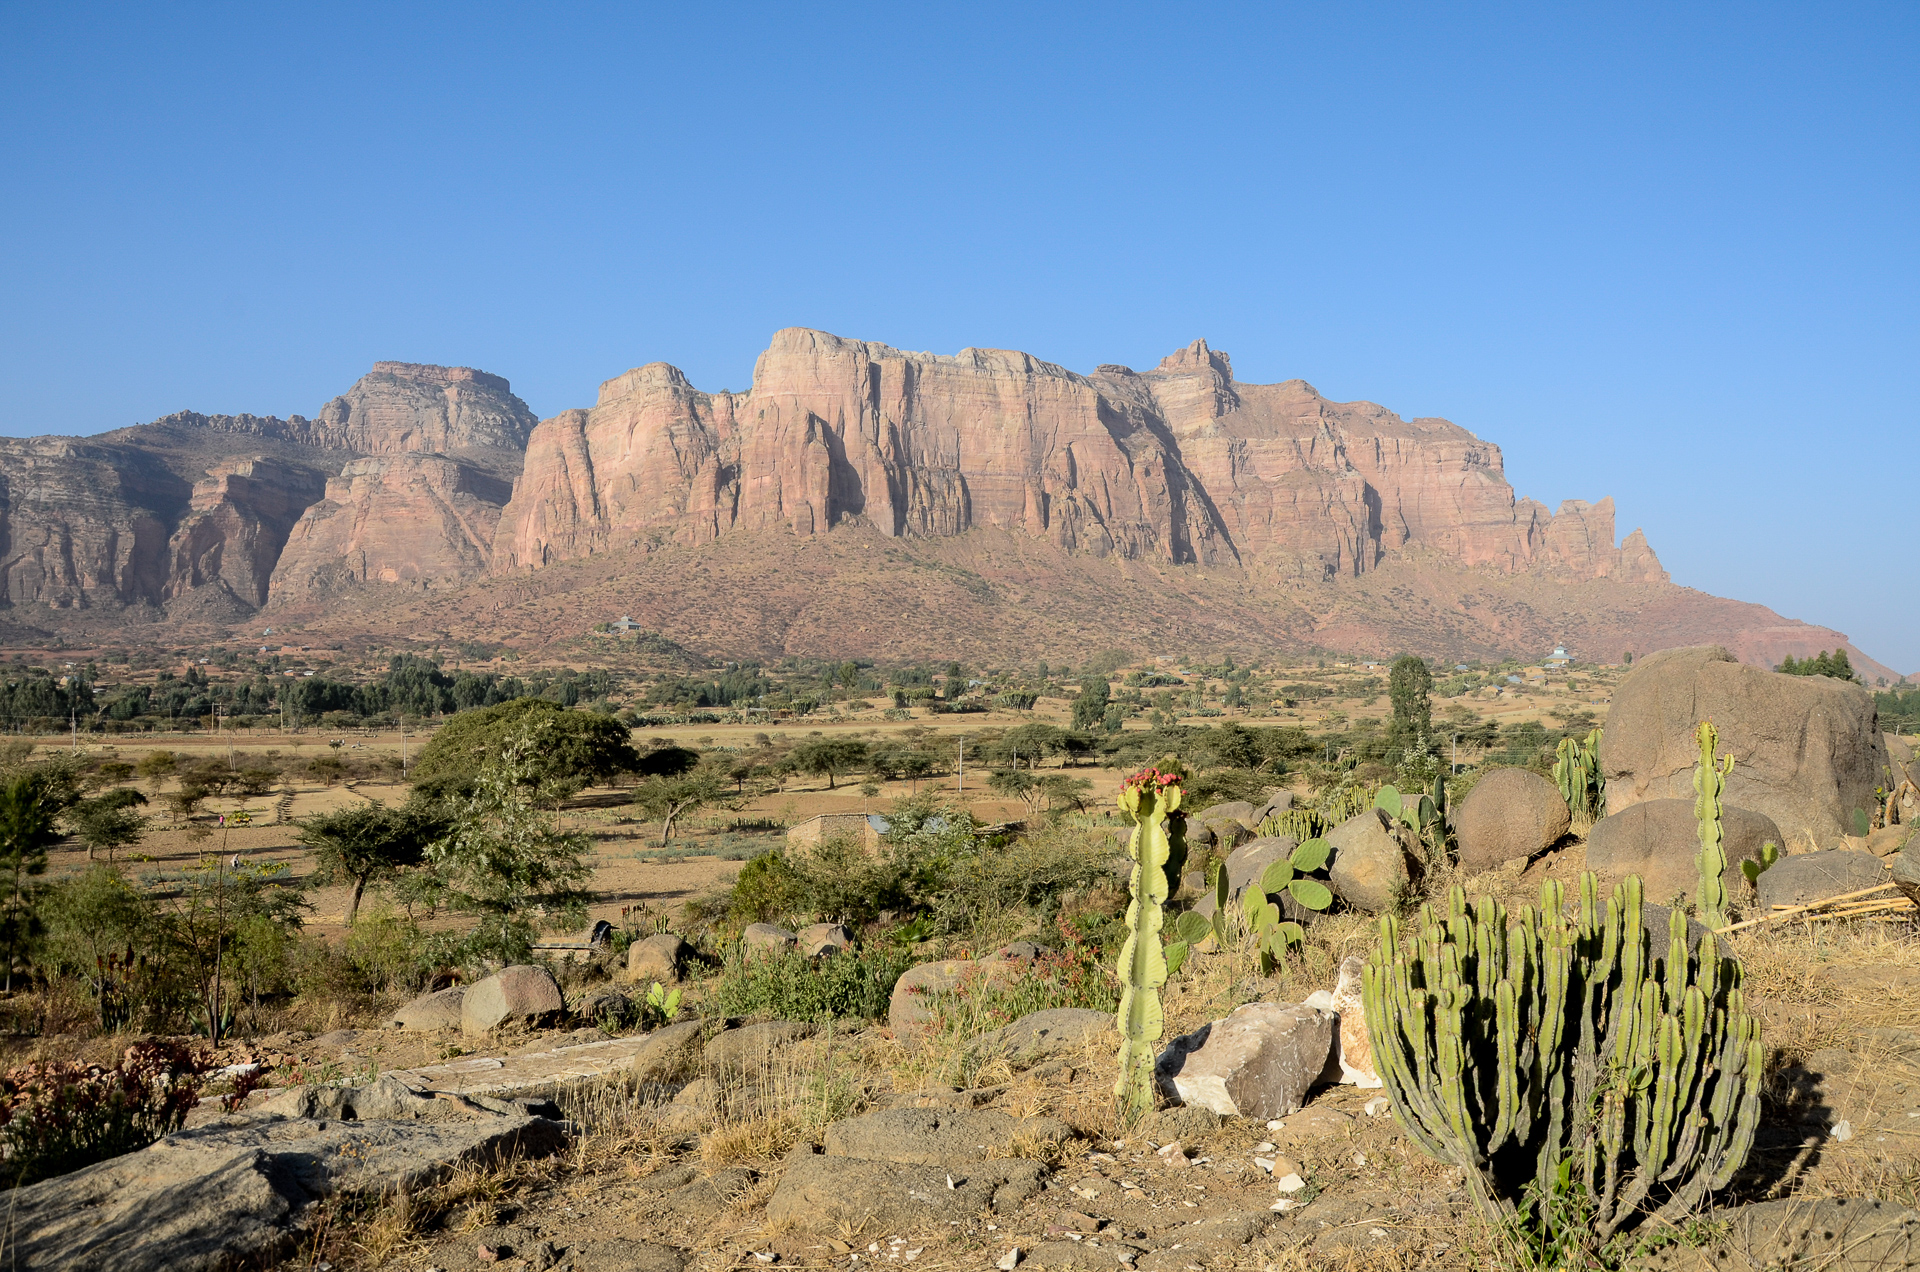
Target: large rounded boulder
x=1658, y=841
x=1815, y=876
x=1809, y=749
x=1371, y=862
x=1509, y=813
x=522, y=995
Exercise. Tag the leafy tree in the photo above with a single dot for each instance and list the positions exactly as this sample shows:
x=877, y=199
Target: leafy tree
x=671, y=798
x=1835, y=665
x=370, y=843
x=27, y=830
x=212, y=915
x=108, y=821
x=506, y=853
x=1090, y=708
x=578, y=748
x=829, y=757
x=94, y=920
x=1410, y=690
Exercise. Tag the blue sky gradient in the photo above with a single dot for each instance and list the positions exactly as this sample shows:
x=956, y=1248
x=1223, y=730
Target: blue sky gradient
x=1665, y=253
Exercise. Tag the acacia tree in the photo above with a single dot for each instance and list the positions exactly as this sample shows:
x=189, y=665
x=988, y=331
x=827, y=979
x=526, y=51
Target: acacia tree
x=370, y=844
x=507, y=853
x=1090, y=708
x=829, y=757
x=671, y=798
x=108, y=821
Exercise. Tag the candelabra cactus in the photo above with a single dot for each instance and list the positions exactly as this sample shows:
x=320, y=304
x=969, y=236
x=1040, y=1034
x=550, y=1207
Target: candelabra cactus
x=1148, y=798
x=1558, y=1047
x=1709, y=782
x=1576, y=772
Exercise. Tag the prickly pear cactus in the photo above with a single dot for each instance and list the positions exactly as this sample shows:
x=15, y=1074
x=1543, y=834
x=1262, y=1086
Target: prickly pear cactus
x=1147, y=798
x=1709, y=782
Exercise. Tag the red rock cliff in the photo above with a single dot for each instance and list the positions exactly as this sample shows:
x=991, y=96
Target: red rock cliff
x=1180, y=464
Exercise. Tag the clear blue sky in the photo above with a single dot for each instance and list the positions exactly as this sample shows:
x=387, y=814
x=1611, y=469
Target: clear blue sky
x=1665, y=253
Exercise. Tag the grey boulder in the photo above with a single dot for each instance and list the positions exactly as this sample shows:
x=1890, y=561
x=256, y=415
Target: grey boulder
x=823, y=938
x=438, y=1010
x=1815, y=876
x=1509, y=813
x=1258, y=1062
x=766, y=938
x=522, y=995
x=1658, y=840
x=752, y=1047
x=1043, y=1034
x=1371, y=864
x=661, y=957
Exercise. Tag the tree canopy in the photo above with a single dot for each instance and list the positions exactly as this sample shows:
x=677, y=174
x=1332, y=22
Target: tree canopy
x=370, y=843
x=577, y=748
x=1835, y=664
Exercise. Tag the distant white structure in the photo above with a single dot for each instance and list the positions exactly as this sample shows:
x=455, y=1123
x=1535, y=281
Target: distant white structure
x=1559, y=657
x=624, y=624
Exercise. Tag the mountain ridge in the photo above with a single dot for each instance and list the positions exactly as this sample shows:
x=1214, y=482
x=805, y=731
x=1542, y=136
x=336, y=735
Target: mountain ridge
x=433, y=490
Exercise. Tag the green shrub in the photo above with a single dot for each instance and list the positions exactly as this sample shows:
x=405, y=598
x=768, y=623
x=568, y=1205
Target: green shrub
x=790, y=986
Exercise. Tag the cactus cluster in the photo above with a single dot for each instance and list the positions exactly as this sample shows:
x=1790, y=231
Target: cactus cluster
x=1424, y=814
x=1576, y=772
x=1297, y=824
x=1709, y=783
x=1546, y=1046
x=1293, y=877
x=1150, y=799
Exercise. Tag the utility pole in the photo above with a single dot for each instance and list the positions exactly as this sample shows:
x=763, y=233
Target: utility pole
x=962, y=787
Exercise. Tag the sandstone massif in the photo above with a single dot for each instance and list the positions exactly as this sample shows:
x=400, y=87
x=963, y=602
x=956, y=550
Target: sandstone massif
x=1040, y=498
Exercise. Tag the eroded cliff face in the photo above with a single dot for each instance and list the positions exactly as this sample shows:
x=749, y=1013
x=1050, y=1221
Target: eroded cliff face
x=1179, y=464
x=399, y=480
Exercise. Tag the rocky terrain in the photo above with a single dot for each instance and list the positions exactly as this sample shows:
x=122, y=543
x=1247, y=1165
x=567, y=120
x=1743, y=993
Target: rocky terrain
x=966, y=486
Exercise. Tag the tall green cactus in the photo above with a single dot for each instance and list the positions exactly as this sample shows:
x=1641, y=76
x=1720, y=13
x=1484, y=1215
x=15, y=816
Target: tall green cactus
x=1551, y=1043
x=1576, y=772
x=1147, y=798
x=1709, y=782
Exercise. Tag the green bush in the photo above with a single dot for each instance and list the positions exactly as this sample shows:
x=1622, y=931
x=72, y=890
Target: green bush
x=790, y=986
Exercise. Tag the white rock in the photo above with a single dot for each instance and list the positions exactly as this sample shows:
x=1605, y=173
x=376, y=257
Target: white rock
x=1291, y=1183
x=1009, y=1261
x=1259, y=1061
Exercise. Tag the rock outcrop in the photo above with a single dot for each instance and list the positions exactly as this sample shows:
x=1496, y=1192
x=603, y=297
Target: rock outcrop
x=1808, y=749
x=1180, y=464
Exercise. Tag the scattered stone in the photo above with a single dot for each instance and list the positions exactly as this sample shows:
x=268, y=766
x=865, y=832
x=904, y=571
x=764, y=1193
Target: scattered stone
x=751, y=1047
x=1814, y=876
x=661, y=957
x=1257, y=1062
x=1042, y=1034
x=763, y=938
x=1509, y=813
x=1180, y=1122
x=438, y=1010
x=1809, y=748
x=1290, y=1182
x=1370, y=863
x=1888, y=840
x=1316, y=1121
x=910, y=1008
x=1009, y=1261
x=670, y=1054
x=1657, y=839
x=1238, y=811
x=824, y=938
x=1906, y=872
x=525, y=995
x=1274, y=806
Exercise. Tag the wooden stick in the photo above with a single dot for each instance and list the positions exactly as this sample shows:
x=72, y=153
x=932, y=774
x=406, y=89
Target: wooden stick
x=1800, y=909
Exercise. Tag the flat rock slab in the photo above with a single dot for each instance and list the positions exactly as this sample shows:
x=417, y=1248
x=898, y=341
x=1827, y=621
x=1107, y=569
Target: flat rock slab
x=226, y=1193
x=498, y=1075
x=823, y=1193
x=1042, y=1034
x=936, y=1136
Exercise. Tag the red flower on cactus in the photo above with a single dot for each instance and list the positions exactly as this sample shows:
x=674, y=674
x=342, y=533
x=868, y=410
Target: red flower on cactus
x=1151, y=780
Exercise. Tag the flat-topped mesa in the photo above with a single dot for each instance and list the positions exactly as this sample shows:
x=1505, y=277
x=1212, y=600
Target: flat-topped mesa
x=1180, y=464
x=403, y=406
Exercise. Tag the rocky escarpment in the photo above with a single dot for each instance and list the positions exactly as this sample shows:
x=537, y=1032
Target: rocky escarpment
x=1181, y=464
x=400, y=479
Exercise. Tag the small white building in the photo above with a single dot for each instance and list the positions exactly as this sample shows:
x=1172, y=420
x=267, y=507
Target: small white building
x=1559, y=659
